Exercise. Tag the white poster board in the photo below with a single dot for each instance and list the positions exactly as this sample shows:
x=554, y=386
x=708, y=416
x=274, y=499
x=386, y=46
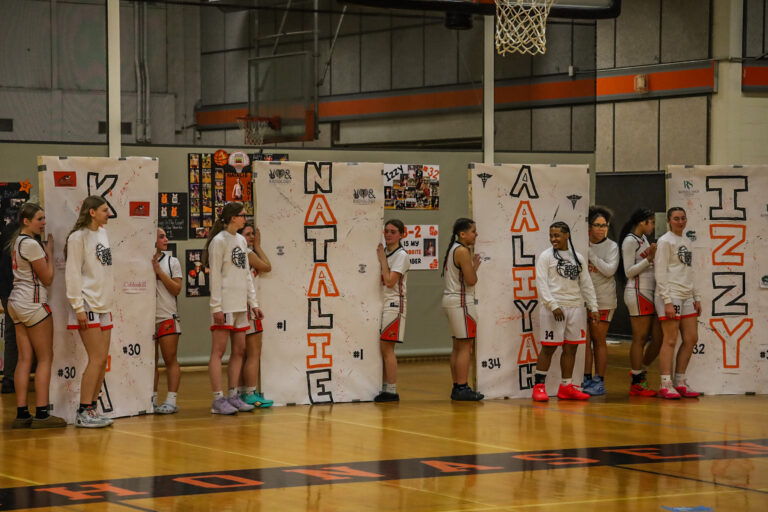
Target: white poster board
x=130, y=187
x=513, y=206
x=728, y=233
x=421, y=242
x=320, y=226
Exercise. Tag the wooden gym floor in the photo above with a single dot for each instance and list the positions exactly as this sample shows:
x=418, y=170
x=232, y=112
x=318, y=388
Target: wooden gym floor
x=422, y=454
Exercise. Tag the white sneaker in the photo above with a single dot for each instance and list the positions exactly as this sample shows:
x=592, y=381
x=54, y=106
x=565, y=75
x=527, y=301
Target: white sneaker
x=89, y=419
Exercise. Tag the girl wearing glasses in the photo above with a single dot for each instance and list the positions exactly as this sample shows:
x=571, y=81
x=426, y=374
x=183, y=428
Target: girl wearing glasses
x=232, y=294
x=603, y=262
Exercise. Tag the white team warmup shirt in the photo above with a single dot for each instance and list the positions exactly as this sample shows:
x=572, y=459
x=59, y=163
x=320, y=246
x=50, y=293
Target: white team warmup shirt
x=637, y=268
x=231, y=282
x=27, y=288
x=89, y=271
x=674, y=273
x=605, y=257
x=454, y=277
x=398, y=261
x=559, y=284
x=166, y=302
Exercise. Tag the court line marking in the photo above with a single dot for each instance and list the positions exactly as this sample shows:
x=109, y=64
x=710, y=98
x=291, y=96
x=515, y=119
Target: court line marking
x=20, y=479
x=421, y=434
x=683, y=477
x=619, y=498
x=135, y=507
x=184, y=443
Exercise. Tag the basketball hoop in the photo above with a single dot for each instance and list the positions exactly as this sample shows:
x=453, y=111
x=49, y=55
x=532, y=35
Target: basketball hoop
x=255, y=128
x=521, y=26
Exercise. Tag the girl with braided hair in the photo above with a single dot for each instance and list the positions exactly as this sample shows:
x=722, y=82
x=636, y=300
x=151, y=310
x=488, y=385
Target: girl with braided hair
x=460, y=270
x=563, y=287
x=603, y=262
x=232, y=294
x=637, y=255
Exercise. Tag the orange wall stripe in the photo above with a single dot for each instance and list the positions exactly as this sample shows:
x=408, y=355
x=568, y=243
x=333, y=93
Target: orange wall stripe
x=754, y=75
x=659, y=81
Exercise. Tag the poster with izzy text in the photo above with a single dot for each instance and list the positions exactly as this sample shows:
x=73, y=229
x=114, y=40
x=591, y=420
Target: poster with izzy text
x=411, y=186
x=727, y=234
x=129, y=185
x=513, y=206
x=320, y=225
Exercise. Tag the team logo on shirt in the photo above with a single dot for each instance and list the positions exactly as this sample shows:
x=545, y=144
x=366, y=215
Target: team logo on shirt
x=685, y=256
x=238, y=257
x=568, y=270
x=103, y=254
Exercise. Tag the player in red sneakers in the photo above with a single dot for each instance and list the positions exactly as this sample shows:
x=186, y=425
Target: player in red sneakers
x=677, y=303
x=563, y=288
x=637, y=255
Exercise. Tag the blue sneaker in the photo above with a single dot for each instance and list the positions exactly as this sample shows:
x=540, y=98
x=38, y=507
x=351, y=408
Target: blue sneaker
x=594, y=387
x=256, y=399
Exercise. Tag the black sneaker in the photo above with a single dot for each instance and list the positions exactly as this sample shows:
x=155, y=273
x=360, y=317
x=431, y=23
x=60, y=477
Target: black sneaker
x=386, y=396
x=466, y=394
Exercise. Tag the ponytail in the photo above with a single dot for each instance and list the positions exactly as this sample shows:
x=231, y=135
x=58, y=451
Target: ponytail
x=461, y=224
x=638, y=216
x=230, y=210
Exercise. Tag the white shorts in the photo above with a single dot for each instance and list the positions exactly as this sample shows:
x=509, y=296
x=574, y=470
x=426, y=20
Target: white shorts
x=254, y=324
x=639, y=302
x=28, y=314
x=167, y=327
x=462, y=316
x=235, y=322
x=572, y=329
x=102, y=320
x=683, y=308
x=392, y=325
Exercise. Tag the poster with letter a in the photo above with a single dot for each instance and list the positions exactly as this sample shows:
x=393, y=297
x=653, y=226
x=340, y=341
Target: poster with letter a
x=513, y=206
x=727, y=238
x=320, y=225
x=129, y=186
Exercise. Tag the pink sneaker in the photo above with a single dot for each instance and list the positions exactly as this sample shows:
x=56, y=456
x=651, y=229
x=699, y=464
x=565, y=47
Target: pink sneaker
x=668, y=393
x=687, y=393
x=571, y=392
x=540, y=393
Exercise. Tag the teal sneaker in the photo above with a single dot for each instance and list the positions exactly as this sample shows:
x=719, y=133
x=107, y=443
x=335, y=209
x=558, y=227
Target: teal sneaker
x=264, y=401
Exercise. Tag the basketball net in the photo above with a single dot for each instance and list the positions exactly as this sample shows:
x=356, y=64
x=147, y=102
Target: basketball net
x=521, y=26
x=253, y=129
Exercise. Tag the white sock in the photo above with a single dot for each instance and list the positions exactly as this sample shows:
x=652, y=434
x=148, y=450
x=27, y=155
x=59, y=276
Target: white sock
x=390, y=388
x=680, y=379
x=217, y=395
x=250, y=389
x=566, y=382
x=170, y=398
x=232, y=392
x=154, y=398
x=242, y=390
x=636, y=372
x=666, y=381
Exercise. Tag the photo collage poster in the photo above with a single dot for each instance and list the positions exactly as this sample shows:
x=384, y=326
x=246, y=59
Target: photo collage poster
x=172, y=214
x=197, y=274
x=216, y=179
x=411, y=186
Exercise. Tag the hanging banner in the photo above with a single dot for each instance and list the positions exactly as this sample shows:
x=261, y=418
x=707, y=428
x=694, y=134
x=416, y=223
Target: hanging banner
x=411, y=186
x=130, y=187
x=727, y=229
x=197, y=274
x=420, y=243
x=172, y=214
x=320, y=226
x=513, y=206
